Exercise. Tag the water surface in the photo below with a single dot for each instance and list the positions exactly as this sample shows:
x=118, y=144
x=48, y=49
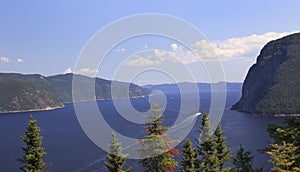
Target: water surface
x=69, y=149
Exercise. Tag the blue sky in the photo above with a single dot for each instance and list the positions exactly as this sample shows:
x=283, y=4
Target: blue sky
x=47, y=37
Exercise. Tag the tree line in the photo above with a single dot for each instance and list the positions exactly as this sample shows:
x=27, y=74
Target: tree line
x=210, y=154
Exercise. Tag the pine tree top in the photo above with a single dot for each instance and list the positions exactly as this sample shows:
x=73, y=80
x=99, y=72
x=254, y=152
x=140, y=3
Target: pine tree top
x=156, y=150
x=33, y=151
x=116, y=159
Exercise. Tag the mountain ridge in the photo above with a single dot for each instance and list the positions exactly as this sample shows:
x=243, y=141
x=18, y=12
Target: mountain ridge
x=272, y=83
x=189, y=87
x=58, y=88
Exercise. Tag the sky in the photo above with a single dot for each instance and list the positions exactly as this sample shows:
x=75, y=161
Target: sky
x=50, y=37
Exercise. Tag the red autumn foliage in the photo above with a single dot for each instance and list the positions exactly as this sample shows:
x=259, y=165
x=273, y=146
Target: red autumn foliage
x=170, y=168
x=147, y=128
x=174, y=151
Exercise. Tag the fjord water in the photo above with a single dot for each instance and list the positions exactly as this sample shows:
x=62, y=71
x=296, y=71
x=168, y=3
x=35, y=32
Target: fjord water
x=69, y=149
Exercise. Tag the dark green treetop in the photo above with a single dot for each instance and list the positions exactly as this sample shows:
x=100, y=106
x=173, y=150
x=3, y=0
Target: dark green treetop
x=189, y=159
x=33, y=151
x=223, y=152
x=206, y=148
x=116, y=159
x=157, y=152
x=243, y=161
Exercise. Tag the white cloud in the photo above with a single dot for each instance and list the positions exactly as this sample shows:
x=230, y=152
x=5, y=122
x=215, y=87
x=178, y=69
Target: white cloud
x=174, y=47
x=4, y=59
x=141, y=61
x=68, y=70
x=153, y=57
x=146, y=46
x=202, y=50
x=144, y=60
x=19, y=60
x=248, y=46
x=88, y=71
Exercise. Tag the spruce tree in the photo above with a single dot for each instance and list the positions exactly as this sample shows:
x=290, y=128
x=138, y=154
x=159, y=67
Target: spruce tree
x=189, y=158
x=33, y=151
x=156, y=150
x=223, y=152
x=206, y=148
x=115, y=158
x=283, y=157
x=243, y=161
x=288, y=133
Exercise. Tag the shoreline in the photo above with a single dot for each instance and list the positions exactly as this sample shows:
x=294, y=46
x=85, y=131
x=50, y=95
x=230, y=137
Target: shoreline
x=59, y=107
x=134, y=97
x=34, y=110
x=287, y=115
x=276, y=115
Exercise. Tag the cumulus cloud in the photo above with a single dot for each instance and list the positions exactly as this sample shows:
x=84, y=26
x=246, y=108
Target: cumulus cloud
x=152, y=57
x=19, y=60
x=87, y=71
x=144, y=60
x=68, y=70
x=4, y=59
x=137, y=61
x=248, y=46
x=203, y=50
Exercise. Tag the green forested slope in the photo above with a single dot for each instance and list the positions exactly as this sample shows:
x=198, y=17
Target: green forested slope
x=272, y=85
x=22, y=96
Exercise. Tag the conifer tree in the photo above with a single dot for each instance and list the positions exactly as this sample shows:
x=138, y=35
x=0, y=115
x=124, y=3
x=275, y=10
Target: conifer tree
x=156, y=150
x=206, y=148
x=33, y=151
x=243, y=161
x=283, y=157
x=223, y=152
x=189, y=158
x=288, y=133
x=115, y=158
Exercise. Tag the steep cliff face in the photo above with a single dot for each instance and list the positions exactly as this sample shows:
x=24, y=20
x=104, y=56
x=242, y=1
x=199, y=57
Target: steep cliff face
x=272, y=85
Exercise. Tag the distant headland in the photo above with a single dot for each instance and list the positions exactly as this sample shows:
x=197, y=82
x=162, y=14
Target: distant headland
x=272, y=85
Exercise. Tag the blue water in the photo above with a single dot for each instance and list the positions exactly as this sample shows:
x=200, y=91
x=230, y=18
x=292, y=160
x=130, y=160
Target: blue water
x=69, y=149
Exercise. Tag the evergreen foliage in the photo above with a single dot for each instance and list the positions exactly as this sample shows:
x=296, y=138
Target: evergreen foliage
x=223, y=152
x=285, y=151
x=206, y=148
x=33, y=151
x=157, y=152
x=283, y=157
x=22, y=96
x=189, y=159
x=212, y=149
x=115, y=158
x=60, y=86
x=243, y=161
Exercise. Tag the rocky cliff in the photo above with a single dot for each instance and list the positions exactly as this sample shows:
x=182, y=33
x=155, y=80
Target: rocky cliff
x=272, y=85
